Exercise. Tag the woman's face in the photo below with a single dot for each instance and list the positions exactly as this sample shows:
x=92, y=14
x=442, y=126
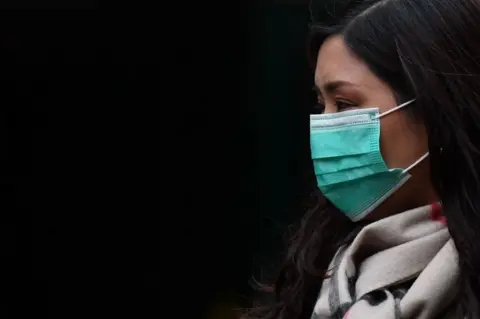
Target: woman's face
x=344, y=82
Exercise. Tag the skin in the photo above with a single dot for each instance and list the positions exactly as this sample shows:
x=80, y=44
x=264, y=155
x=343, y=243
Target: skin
x=344, y=82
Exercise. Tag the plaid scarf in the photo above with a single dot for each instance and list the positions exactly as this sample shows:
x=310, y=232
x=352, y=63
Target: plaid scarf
x=400, y=267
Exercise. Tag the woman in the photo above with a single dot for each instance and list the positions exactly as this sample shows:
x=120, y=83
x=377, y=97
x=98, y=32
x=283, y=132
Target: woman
x=395, y=229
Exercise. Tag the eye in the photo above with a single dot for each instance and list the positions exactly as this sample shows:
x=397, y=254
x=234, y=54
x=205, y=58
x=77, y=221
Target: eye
x=343, y=105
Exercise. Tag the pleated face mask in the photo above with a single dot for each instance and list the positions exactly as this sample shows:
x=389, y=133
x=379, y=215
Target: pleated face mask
x=349, y=167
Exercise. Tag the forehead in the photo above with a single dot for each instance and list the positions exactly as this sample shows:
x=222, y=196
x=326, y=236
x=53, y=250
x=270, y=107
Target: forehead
x=335, y=62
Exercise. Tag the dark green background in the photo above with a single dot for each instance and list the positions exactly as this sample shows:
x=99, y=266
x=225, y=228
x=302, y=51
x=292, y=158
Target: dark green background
x=258, y=136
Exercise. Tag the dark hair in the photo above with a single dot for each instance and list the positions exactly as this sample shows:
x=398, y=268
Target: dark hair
x=429, y=50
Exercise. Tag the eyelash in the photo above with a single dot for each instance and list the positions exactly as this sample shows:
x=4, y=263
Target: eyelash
x=341, y=105
x=346, y=105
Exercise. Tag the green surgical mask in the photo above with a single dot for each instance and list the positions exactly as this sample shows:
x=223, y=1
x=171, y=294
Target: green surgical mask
x=349, y=167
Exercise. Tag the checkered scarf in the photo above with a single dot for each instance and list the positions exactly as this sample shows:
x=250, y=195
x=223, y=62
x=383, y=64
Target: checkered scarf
x=401, y=267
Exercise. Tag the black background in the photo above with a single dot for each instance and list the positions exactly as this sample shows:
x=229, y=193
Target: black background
x=151, y=157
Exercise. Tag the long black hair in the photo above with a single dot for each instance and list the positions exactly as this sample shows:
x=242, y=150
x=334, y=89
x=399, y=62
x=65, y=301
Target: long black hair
x=430, y=50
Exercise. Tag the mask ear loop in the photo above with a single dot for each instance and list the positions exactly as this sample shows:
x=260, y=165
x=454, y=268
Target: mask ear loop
x=417, y=162
x=394, y=109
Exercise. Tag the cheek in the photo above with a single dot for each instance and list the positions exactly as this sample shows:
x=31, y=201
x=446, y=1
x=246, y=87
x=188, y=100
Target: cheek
x=401, y=141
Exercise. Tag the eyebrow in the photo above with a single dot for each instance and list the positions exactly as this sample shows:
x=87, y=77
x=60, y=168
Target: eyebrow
x=331, y=87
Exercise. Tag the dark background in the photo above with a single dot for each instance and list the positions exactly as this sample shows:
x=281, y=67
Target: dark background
x=152, y=158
